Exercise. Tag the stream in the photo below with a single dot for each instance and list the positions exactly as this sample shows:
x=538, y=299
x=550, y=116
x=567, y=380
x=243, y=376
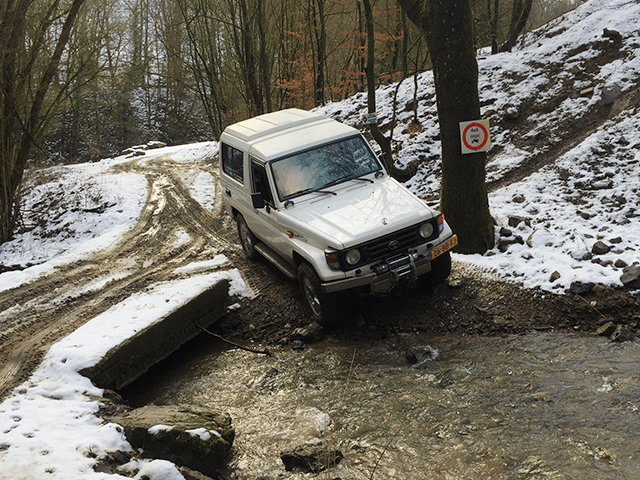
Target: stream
x=537, y=406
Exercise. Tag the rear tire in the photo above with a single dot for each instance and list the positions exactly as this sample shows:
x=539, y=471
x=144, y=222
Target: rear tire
x=324, y=307
x=247, y=239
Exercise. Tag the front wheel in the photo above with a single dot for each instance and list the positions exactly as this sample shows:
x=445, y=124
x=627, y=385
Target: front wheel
x=247, y=239
x=440, y=268
x=324, y=307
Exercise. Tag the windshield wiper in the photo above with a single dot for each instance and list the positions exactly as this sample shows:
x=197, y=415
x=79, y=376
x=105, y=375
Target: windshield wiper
x=362, y=179
x=309, y=190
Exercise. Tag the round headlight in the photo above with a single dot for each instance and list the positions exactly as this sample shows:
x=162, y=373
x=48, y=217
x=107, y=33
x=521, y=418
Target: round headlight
x=353, y=256
x=426, y=230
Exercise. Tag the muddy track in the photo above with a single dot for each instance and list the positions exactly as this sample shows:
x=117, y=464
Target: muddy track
x=173, y=230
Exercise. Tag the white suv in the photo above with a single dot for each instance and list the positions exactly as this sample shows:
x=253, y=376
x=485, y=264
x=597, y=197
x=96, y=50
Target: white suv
x=309, y=194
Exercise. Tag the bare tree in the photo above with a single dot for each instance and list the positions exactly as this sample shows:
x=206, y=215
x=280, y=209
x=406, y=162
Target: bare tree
x=519, y=18
x=28, y=70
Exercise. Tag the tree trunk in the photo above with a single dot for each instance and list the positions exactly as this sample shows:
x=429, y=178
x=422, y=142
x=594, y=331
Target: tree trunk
x=320, y=34
x=449, y=30
x=493, y=24
x=519, y=18
x=383, y=142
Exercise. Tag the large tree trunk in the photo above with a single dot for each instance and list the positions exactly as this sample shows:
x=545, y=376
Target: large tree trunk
x=449, y=30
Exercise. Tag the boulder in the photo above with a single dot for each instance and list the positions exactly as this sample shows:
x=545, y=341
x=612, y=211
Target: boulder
x=311, y=333
x=630, y=277
x=504, y=243
x=192, y=436
x=419, y=355
x=515, y=220
x=580, y=288
x=622, y=333
x=311, y=458
x=600, y=248
x=606, y=330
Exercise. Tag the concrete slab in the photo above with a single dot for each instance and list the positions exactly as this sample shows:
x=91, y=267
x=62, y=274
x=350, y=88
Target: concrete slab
x=132, y=358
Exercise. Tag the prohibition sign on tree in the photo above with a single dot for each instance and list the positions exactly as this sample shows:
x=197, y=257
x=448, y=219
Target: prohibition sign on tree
x=474, y=136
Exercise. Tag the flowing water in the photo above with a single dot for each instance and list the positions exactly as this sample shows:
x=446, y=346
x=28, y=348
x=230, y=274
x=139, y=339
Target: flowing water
x=540, y=406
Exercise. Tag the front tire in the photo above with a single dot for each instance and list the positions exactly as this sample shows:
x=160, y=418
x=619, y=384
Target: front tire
x=247, y=239
x=440, y=268
x=323, y=306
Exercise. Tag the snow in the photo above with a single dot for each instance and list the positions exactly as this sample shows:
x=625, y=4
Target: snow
x=49, y=426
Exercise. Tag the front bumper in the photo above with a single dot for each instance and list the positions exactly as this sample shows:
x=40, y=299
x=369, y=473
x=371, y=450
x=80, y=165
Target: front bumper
x=384, y=276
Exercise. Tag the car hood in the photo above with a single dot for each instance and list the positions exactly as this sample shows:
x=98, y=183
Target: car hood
x=359, y=212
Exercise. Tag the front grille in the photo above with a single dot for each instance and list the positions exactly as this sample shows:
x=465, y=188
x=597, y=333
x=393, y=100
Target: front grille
x=392, y=244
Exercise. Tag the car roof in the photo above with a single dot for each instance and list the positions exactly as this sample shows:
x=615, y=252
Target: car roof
x=277, y=134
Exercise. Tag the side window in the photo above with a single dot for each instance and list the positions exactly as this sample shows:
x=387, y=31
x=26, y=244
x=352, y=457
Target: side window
x=260, y=182
x=232, y=163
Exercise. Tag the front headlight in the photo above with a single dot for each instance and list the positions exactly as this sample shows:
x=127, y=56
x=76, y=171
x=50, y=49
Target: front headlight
x=352, y=257
x=426, y=230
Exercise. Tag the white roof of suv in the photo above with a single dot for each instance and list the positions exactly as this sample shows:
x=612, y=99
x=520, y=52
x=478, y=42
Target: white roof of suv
x=277, y=134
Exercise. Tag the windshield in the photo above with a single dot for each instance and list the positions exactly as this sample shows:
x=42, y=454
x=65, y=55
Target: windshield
x=323, y=166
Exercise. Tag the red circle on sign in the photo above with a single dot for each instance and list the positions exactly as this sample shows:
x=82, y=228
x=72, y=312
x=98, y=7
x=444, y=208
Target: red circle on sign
x=464, y=136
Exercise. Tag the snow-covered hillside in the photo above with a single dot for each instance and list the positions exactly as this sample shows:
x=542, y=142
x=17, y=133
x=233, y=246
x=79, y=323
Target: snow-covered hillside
x=565, y=127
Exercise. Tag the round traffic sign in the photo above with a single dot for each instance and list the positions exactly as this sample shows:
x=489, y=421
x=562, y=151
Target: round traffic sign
x=475, y=136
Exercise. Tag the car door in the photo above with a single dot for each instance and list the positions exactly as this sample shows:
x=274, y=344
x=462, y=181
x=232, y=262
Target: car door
x=267, y=225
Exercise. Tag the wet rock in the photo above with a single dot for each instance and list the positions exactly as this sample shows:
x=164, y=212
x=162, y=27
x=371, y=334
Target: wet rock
x=622, y=333
x=311, y=458
x=188, y=435
x=419, y=355
x=308, y=334
x=600, y=248
x=554, y=276
x=630, y=277
x=619, y=263
x=580, y=288
x=606, y=330
x=298, y=345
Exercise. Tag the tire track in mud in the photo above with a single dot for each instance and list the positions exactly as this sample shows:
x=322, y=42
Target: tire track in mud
x=173, y=230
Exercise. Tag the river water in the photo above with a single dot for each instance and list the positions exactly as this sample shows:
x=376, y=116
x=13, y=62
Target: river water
x=539, y=406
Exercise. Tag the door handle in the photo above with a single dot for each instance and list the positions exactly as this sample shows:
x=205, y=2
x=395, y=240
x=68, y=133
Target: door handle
x=227, y=192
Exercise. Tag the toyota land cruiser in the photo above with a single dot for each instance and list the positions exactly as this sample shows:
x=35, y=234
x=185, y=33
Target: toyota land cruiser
x=309, y=194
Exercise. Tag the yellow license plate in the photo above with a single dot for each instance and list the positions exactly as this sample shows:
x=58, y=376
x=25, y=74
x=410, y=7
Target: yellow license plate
x=443, y=247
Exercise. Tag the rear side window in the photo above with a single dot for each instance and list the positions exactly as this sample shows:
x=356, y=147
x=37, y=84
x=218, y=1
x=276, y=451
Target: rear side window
x=232, y=163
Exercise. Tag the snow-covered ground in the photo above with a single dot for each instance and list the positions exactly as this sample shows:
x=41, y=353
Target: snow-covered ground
x=49, y=426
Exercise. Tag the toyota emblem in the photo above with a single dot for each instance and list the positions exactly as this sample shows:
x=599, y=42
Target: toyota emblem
x=393, y=244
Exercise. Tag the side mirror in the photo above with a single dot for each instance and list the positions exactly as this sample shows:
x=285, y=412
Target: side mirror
x=257, y=200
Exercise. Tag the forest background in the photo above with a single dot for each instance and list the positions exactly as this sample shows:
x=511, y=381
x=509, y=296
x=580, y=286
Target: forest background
x=180, y=71
x=84, y=79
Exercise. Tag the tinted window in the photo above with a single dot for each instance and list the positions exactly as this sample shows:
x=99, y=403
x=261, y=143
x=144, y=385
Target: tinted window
x=232, y=163
x=260, y=183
